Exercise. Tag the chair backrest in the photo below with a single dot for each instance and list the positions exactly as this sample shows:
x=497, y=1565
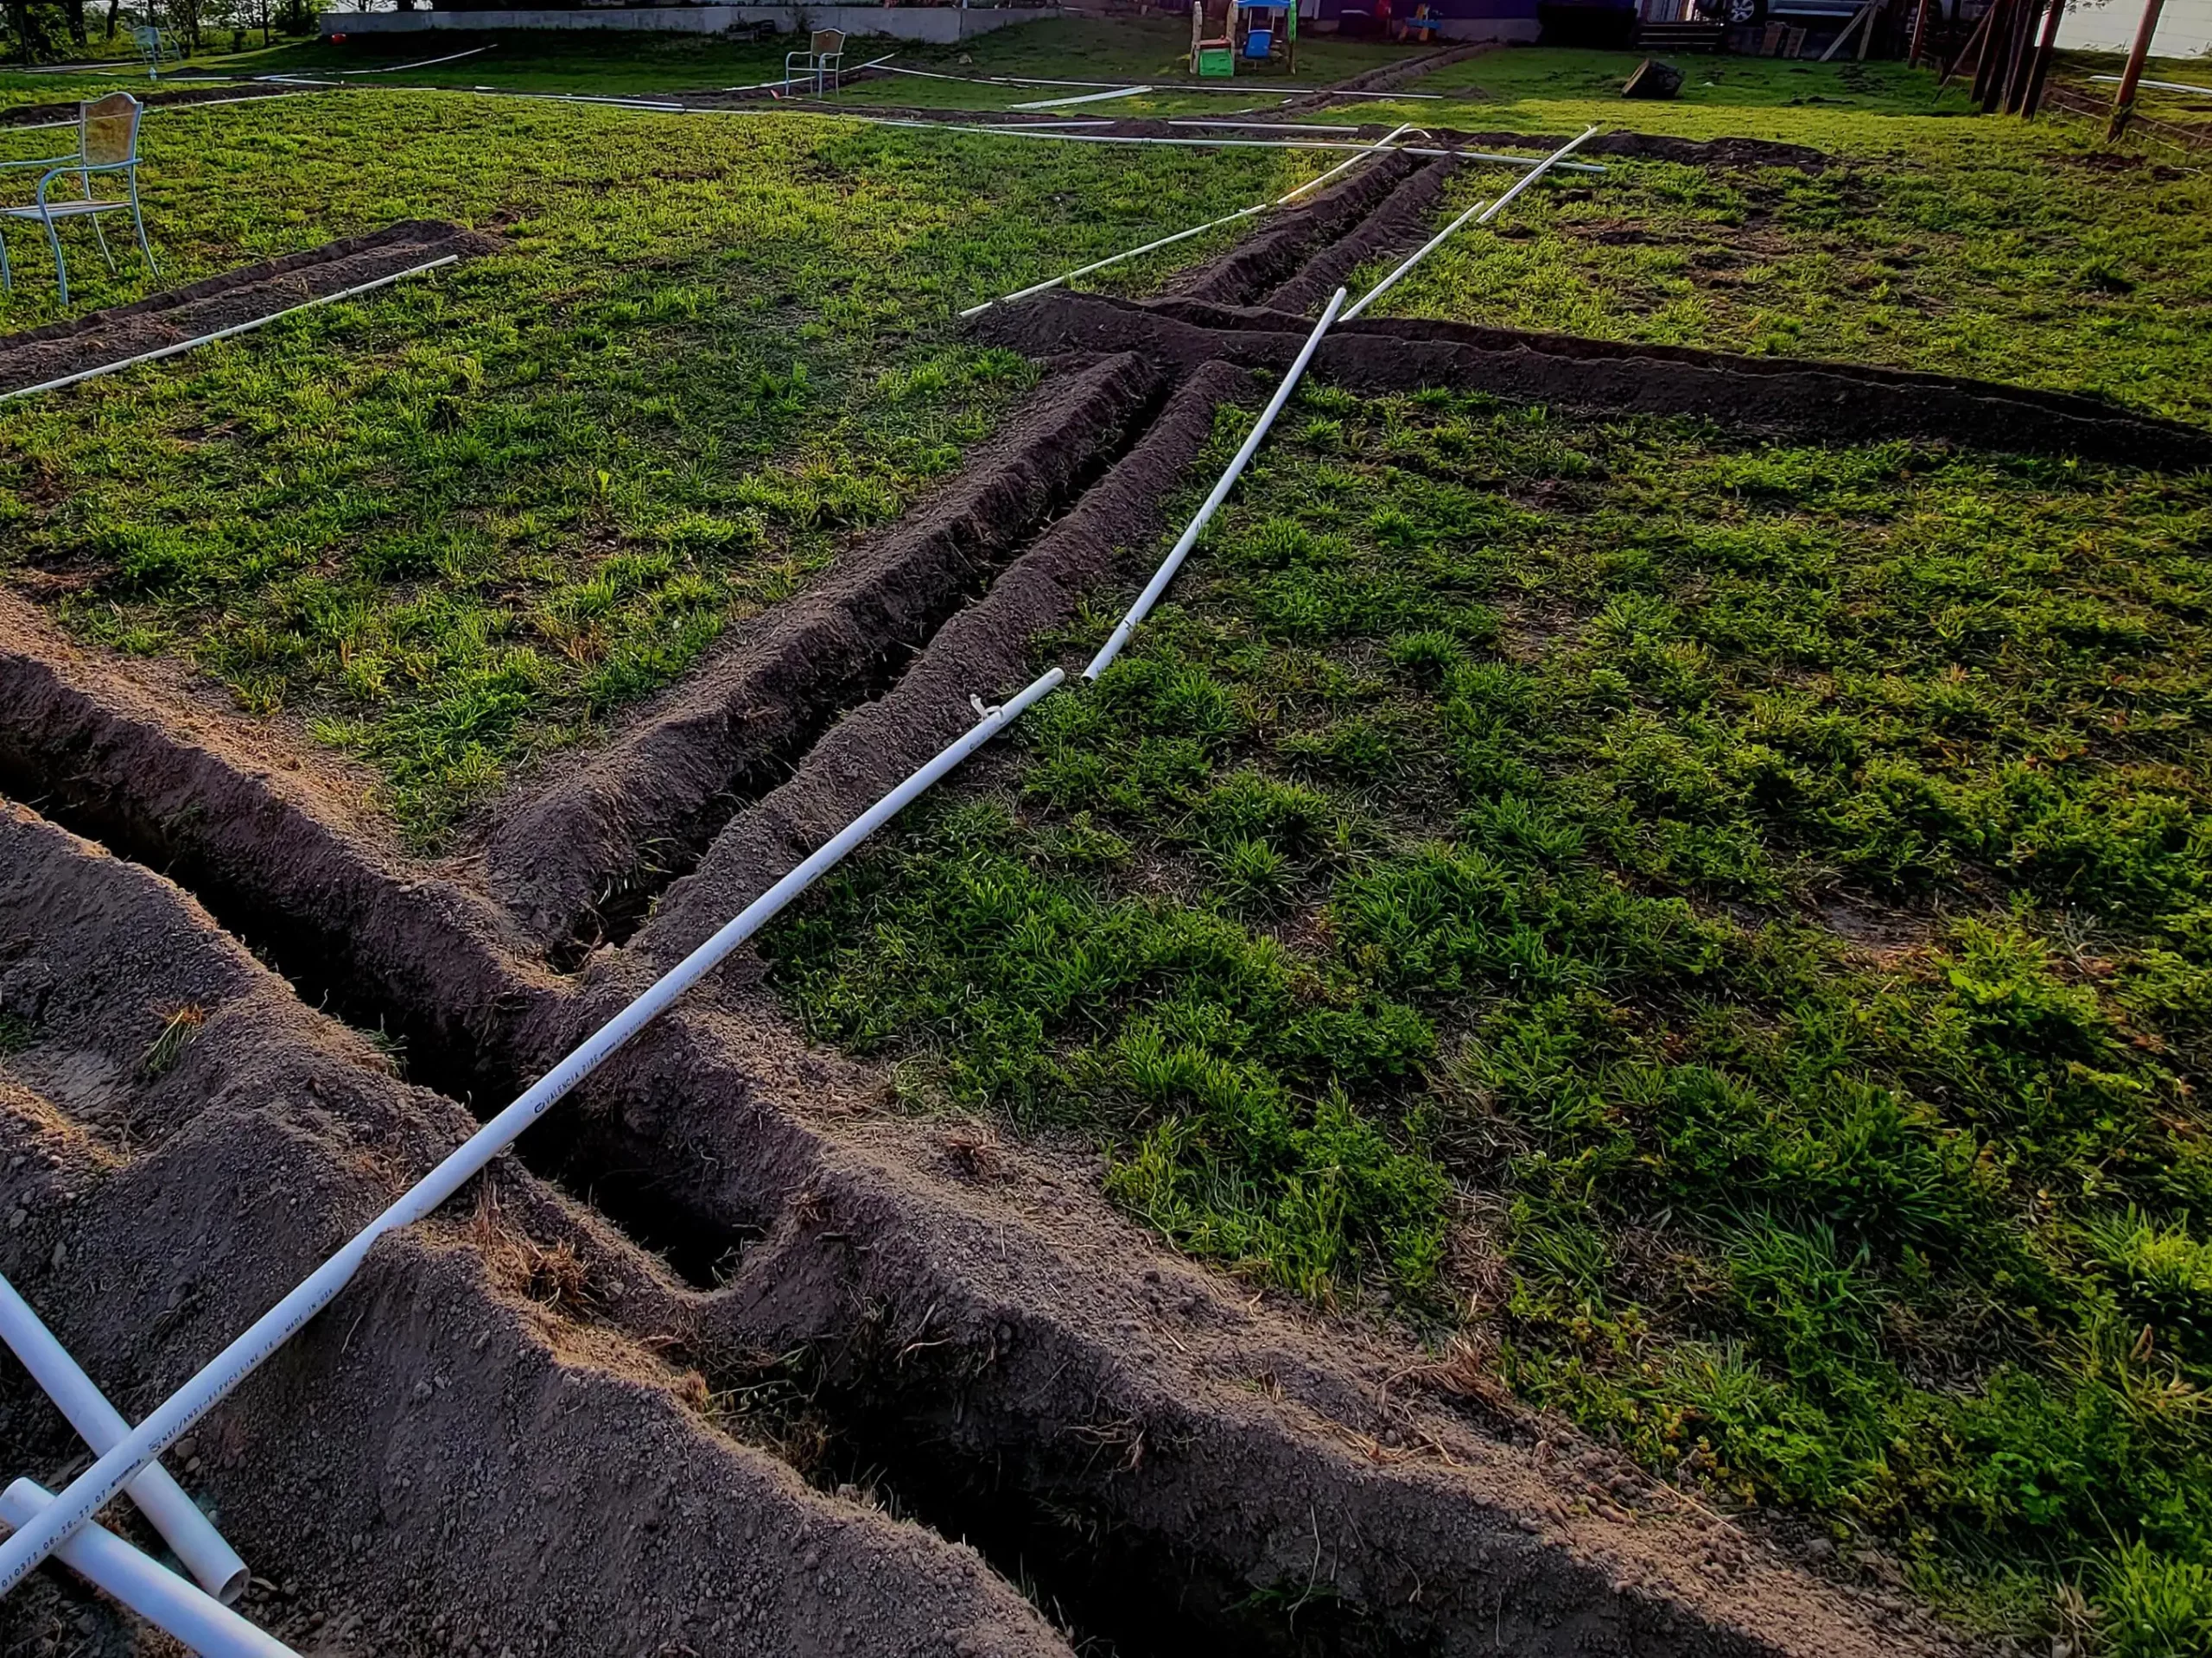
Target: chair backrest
x=148, y=39
x=109, y=130
x=828, y=40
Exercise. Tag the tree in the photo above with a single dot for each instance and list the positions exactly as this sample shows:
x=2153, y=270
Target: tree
x=31, y=28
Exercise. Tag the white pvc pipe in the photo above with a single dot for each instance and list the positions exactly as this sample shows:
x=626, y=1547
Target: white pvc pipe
x=96, y=1487
x=1182, y=236
x=213, y=102
x=155, y=1592
x=425, y=63
x=1488, y=211
x=1189, y=539
x=1082, y=98
x=2161, y=85
x=224, y=333
x=162, y=1501
x=1115, y=259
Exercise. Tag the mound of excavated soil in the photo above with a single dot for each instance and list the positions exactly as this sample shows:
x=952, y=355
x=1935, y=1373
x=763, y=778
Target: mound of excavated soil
x=485, y=1446
x=245, y=294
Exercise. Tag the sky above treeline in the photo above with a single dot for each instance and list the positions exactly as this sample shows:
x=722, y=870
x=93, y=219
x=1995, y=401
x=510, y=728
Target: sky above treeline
x=2184, y=28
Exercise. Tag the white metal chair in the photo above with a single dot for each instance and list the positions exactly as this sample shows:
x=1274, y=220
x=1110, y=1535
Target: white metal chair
x=825, y=54
x=107, y=143
x=155, y=44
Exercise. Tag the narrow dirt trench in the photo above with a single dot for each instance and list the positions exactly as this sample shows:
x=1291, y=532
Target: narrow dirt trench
x=1165, y=1463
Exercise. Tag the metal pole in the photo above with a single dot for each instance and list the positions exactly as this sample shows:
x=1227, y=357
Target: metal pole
x=2123, y=103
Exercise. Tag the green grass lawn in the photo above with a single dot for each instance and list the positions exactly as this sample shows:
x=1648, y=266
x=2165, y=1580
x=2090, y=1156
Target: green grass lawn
x=1979, y=246
x=1725, y=930
x=1722, y=930
x=460, y=522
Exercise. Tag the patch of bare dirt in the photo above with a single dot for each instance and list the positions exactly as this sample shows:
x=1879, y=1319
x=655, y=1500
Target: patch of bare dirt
x=1832, y=402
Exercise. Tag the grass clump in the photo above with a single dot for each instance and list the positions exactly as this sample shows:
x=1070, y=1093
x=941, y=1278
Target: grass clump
x=1727, y=925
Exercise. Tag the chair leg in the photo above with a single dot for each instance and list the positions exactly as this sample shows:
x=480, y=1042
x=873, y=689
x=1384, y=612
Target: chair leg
x=100, y=235
x=60, y=265
x=139, y=220
x=7, y=275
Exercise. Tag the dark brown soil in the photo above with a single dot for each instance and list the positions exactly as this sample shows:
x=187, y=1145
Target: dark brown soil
x=484, y=1446
x=1657, y=147
x=1781, y=397
x=983, y=651
x=1400, y=225
x=249, y=292
x=1391, y=76
x=190, y=790
x=25, y=115
x=658, y=791
x=1272, y=256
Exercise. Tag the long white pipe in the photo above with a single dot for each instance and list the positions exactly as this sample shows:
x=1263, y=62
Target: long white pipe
x=1082, y=98
x=217, y=103
x=190, y=1533
x=1189, y=539
x=423, y=63
x=2161, y=85
x=224, y=333
x=155, y=1592
x=1488, y=211
x=94, y=1488
x=1183, y=236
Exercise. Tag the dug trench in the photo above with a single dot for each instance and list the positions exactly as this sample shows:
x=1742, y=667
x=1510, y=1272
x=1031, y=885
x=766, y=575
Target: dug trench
x=1171, y=1465
x=247, y=294
x=575, y=861
x=183, y=1140
x=1167, y=1465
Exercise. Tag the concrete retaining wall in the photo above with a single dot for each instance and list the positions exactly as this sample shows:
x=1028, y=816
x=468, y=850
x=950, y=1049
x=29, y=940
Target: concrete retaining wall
x=939, y=25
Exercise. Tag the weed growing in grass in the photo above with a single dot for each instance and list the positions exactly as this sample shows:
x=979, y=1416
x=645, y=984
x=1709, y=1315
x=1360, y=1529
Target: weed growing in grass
x=461, y=523
x=1750, y=902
